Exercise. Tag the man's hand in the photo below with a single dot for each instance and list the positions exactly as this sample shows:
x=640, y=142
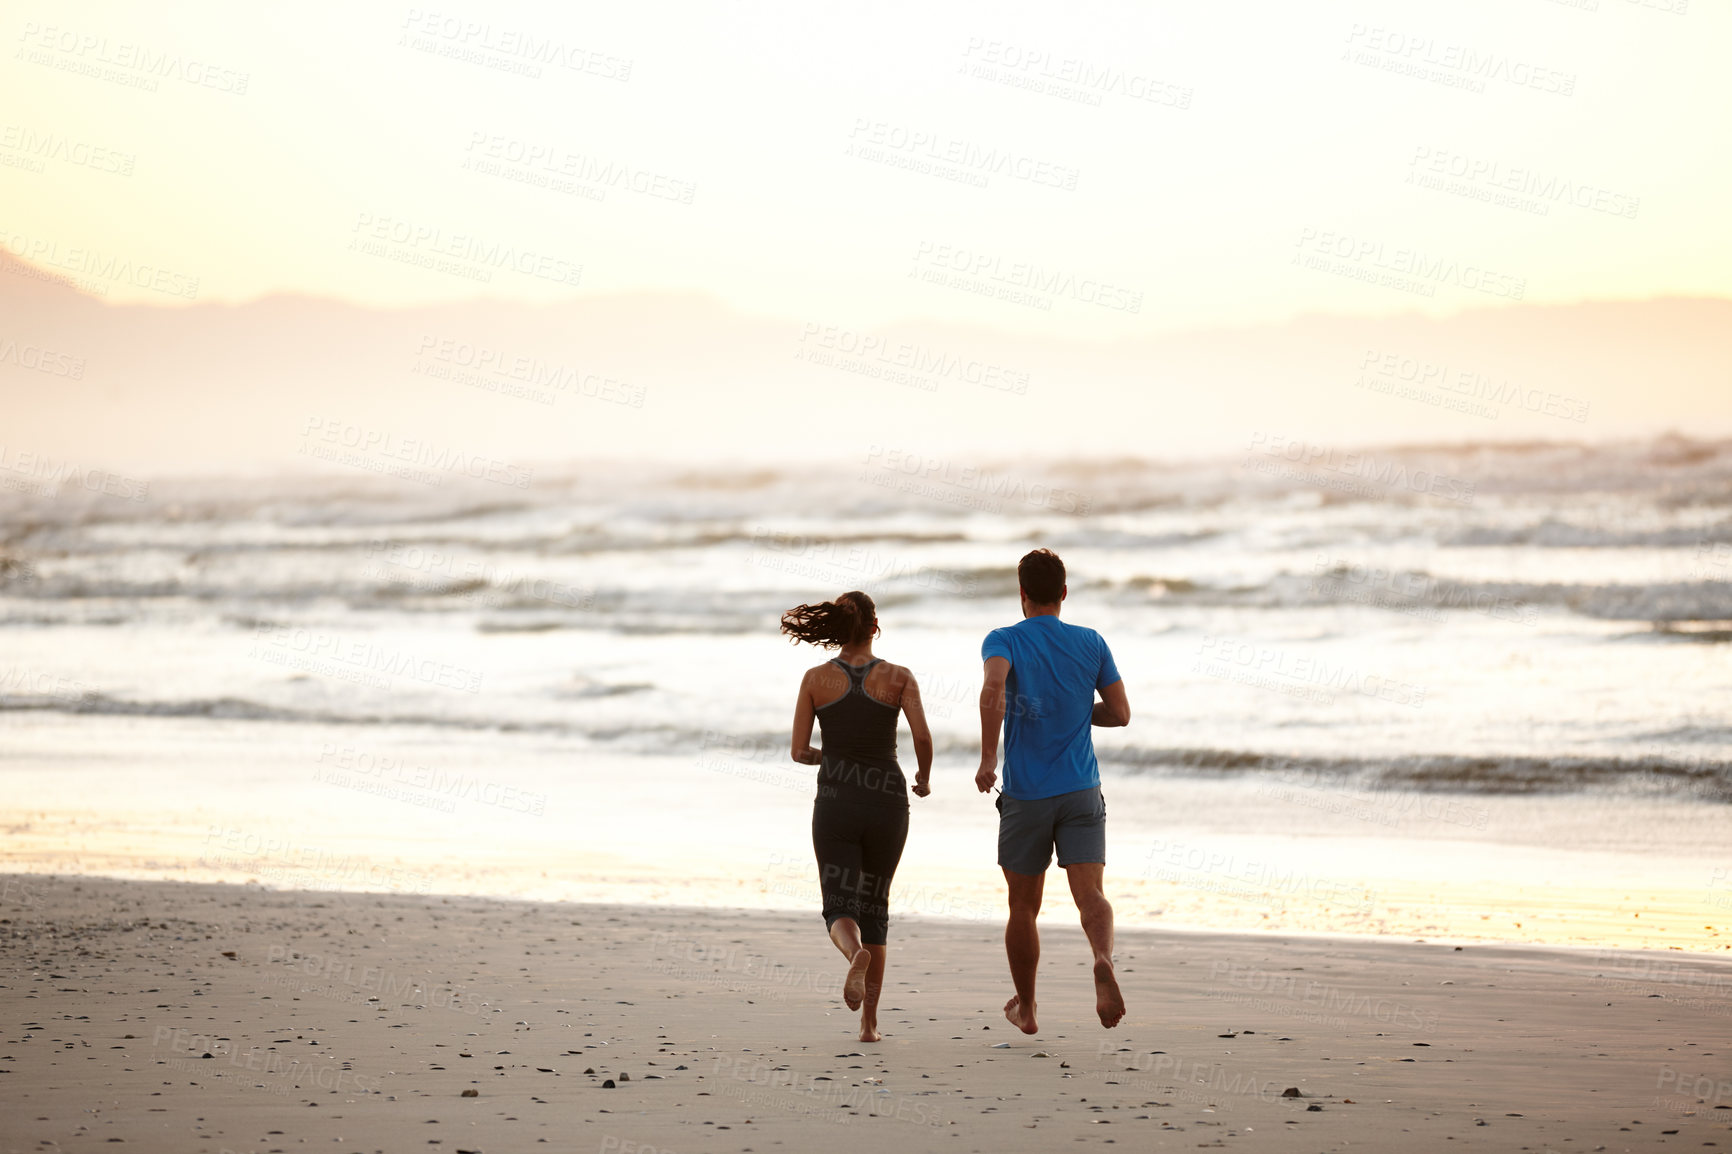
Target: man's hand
x=987, y=777
x=922, y=785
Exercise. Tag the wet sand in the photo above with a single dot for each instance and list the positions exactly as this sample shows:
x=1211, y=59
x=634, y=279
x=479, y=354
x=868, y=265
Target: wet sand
x=174, y=1017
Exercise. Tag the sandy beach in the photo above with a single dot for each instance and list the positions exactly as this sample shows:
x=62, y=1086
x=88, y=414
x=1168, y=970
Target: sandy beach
x=210, y=1018
x=443, y=451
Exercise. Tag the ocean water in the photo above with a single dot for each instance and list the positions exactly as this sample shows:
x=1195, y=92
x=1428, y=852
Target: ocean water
x=1472, y=692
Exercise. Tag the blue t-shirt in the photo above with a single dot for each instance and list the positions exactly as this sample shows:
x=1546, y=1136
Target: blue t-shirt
x=1049, y=704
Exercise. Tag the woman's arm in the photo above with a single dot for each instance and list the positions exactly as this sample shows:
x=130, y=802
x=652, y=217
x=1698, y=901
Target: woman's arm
x=916, y=714
x=800, y=748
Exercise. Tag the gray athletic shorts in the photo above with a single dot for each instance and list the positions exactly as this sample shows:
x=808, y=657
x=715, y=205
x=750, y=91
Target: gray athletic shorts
x=1028, y=830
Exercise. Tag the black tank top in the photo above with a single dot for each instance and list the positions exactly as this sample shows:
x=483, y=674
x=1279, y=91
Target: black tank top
x=859, y=746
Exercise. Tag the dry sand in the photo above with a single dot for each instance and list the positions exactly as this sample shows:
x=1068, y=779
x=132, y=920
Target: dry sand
x=206, y=1018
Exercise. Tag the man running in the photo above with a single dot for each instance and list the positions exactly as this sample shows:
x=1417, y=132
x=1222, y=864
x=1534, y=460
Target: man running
x=1052, y=786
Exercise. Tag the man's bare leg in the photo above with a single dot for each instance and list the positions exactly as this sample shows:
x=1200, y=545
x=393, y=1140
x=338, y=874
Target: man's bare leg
x=874, y=986
x=1087, y=887
x=845, y=932
x=1022, y=945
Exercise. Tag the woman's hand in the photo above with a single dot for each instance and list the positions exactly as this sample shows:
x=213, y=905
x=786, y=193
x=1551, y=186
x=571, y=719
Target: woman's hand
x=808, y=756
x=922, y=785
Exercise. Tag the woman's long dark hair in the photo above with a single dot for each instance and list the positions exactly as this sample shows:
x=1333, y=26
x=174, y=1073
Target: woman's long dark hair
x=851, y=619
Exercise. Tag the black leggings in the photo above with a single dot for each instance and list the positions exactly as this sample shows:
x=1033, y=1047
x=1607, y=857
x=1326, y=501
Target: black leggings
x=858, y=847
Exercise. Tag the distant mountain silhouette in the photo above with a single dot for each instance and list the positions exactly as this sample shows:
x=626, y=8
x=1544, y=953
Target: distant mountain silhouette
x=195, y=387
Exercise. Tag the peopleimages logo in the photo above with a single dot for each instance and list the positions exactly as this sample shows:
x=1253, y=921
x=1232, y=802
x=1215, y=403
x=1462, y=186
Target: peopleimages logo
x=509, y=48
x=870, y=569
x=290, y=1072
x=1323, y=998
x=550, y=165
x=1362, y=473
x=39, y=146
x=1282, y=664
x=1702, y=1086
x=936, y=477
x=47, y=476
x=1067, y=77
x=901, y=362
x=1378, y=365
x=1024, y=277
x=876, y=139
x=383, y=451
x=40, y=359
x=134, y=65
x=1454, y=65
x=314, y=650
x=782, y=1087
x=94, y=270
x=1169, y=1069
x=433, y=247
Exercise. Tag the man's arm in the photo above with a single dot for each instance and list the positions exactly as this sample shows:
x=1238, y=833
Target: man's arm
x=1112, y=709
x=991, y=718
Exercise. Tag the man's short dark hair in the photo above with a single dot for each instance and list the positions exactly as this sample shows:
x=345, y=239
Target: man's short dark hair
x=1041, y=575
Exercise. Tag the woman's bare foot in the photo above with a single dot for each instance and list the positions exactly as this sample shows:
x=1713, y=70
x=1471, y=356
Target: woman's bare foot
x=869, y=1031
x=1109, y=1003
x=1019, y=1016
x=854, y=987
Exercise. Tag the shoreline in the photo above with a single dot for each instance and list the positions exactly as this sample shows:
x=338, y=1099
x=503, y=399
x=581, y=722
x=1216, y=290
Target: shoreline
x=1584, y=909
x=152, y=799
x=14, y=878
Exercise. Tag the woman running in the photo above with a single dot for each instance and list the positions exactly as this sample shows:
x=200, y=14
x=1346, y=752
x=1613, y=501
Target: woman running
x=860, y=817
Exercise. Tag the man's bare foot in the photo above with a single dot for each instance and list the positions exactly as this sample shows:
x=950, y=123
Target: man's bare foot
x=869, y=1032
x=854, y=986
x=1018, y=1017
x=1109, y=1003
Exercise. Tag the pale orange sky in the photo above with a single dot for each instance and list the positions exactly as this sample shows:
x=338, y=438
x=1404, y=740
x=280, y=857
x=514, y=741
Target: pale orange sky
x=1139, y=169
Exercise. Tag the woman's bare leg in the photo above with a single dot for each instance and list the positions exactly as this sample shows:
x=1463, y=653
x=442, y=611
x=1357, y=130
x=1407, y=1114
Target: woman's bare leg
x=874, y=986
x=845, y=932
